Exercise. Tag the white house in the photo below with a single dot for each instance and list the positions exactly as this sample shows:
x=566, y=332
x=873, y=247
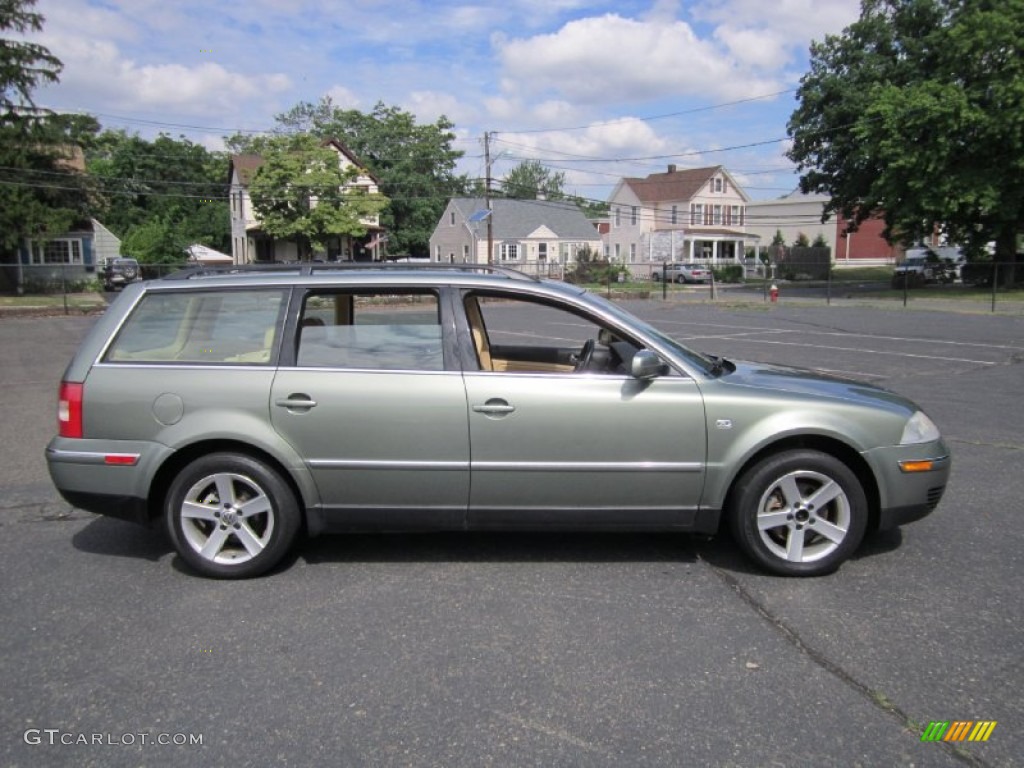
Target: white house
x=249, y=243
x=697, y=214
x=793, y=215
x=543, y=232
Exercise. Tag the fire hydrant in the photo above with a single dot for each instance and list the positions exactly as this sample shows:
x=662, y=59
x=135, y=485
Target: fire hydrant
x=774, y=293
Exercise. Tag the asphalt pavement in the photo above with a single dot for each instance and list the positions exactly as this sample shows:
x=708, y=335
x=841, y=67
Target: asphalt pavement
x=536, y=649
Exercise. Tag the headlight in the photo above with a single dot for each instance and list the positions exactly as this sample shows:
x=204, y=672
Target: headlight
x=919, y=429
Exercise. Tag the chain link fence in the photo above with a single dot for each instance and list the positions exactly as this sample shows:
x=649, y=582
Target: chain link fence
x=750, y=280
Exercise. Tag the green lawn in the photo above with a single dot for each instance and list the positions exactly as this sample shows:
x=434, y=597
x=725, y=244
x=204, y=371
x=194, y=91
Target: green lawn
x=53, y=301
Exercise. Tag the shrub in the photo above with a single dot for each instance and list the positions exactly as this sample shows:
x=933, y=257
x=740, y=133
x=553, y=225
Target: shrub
x=730, y=273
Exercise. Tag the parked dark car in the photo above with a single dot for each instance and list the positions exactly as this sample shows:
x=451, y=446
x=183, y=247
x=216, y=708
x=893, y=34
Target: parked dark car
x=117, y=273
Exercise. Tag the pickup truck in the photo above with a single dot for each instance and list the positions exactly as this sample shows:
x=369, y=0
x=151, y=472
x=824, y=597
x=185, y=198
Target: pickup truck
x=682, y=273
x=927, y=265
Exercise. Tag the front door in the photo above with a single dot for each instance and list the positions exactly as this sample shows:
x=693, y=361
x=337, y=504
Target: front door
x=560, y=447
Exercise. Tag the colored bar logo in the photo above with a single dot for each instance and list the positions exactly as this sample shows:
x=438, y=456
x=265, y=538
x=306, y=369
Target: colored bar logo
x=958, y=730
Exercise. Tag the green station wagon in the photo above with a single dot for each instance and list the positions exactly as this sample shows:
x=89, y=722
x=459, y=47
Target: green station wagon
x=243, y=408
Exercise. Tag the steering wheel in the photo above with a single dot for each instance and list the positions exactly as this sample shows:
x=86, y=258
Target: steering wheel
x=583, y=358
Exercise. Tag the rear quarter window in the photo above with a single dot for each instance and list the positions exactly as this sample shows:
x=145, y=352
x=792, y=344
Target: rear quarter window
x=226, y=327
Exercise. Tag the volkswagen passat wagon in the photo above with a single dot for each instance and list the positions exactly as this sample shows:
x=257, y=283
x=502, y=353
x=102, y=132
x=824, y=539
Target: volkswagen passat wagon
x=243, y=409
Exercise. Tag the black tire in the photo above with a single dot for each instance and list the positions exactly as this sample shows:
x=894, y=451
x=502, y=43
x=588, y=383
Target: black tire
x=223, y=538
x=778, y=522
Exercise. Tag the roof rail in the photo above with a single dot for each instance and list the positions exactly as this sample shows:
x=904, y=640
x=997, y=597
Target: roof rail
x=310, y=268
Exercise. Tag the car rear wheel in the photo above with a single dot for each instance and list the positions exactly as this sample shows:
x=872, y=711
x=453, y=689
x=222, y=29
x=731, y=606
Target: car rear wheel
x=231, y=516
x=798, y=513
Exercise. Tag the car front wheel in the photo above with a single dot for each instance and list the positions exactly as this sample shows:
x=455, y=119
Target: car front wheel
x=231, y=516
x=798, y=513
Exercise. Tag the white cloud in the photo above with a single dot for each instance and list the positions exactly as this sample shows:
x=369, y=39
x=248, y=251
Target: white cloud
x=757, y=48
x=611, y=58
x=428, y=106
x=96, y=72
x=799, y=21
x=343, y=97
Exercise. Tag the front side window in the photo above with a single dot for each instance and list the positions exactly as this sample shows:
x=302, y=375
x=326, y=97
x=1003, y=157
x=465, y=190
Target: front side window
x=696, y=214
x=506, y=339
x=634, y=213
x=371, y=330
x=206, y=327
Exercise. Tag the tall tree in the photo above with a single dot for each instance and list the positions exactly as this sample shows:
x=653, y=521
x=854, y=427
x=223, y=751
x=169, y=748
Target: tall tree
x=414, y=162
x=172, y=190
x=42, y=192
x=531, y=180
x=917, y=111
x=302, y=192
x=24, y=66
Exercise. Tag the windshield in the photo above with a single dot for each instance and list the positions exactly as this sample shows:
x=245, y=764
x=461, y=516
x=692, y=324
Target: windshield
x=705, y=363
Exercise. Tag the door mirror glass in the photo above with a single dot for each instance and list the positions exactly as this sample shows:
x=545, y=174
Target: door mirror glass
x=646, y=365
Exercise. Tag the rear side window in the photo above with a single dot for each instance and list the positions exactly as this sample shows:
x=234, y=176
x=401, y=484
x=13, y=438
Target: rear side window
x=373, y=330
x=239, y=327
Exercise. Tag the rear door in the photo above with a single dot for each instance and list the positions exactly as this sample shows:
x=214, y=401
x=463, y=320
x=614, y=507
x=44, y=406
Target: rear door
x=374, y=402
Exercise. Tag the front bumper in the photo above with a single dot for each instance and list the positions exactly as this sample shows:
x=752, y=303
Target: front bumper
x=908, y=496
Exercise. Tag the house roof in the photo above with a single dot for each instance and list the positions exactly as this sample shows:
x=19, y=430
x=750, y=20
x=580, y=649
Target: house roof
x=518, y=219
x=248, y=164
x=675, y=185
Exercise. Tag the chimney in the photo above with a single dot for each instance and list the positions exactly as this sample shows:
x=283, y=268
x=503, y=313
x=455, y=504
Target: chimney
x=672, y=168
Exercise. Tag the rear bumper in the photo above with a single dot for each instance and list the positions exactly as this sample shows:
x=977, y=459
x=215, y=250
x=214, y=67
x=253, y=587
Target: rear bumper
x=129, y=508
x=106, y=477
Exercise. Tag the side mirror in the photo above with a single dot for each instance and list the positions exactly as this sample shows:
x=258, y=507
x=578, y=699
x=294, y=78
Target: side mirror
x=646, y=365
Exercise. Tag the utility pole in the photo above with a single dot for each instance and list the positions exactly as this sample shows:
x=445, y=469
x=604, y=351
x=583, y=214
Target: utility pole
x=487, y=197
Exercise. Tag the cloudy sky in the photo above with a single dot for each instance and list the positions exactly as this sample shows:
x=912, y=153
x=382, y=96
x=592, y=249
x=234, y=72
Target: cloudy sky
x=598, y=89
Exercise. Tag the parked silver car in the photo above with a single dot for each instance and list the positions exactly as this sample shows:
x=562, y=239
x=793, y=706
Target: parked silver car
x=682, y=273
x=243, y=409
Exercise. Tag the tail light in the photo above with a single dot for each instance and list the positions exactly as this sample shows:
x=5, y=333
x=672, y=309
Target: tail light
x=69, y=409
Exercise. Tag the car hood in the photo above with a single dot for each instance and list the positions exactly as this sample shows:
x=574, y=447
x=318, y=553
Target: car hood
x=814, y=383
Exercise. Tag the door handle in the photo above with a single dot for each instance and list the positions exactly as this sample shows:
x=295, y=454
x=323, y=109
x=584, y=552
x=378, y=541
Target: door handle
x=494, y=407
x=296, y=401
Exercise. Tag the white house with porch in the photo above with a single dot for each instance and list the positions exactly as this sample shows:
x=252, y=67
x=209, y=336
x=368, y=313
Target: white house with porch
x=249, y=243
x=691, y=215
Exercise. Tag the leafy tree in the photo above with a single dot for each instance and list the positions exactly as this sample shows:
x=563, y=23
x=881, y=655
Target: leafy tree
x=414, y=163
x=24, y=66
x=802, y=240
x=592, y=209
x=820, y=241
x=530, y=180
x=916, y=111
x=778, y=238
x=41, y=192
x=167, y=185
x=301, y=192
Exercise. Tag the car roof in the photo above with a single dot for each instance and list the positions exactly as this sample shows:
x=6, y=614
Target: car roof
x=362, y=273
